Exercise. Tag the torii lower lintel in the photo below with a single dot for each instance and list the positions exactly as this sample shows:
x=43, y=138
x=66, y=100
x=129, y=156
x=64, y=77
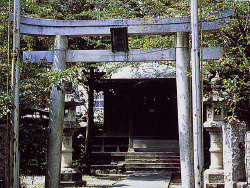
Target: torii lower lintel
x=160, y=54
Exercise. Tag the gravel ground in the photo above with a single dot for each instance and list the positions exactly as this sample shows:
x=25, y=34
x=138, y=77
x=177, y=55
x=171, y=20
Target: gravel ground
x=32, y=181
x=92, y=181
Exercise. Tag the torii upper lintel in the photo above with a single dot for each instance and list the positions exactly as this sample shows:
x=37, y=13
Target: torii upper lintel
x=35, y=26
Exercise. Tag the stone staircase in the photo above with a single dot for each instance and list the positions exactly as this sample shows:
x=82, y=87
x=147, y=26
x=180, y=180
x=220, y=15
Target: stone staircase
x=142, y=161
x=152, y=161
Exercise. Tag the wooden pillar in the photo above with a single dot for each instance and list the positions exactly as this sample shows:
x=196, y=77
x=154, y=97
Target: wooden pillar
x=56, y=117
x=89, y=130
x=183, y=83
x=130, y=129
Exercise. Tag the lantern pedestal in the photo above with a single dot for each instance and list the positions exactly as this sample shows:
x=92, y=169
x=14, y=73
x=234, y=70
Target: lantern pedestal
x=69, y=176
x=214, y=176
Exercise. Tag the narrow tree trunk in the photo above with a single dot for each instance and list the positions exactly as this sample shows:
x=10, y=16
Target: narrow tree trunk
x=183, y=83
x=56, y=117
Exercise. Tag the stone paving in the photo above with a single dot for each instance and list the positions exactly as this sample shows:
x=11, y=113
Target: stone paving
x=146, y=180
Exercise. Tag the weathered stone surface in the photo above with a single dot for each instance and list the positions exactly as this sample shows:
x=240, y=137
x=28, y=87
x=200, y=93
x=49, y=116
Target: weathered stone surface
x=247, y=158
x=233, y=152
x=214, y=178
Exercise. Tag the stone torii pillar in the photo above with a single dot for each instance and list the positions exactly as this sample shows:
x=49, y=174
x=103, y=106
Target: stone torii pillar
x=55, y=132
x=183, y=84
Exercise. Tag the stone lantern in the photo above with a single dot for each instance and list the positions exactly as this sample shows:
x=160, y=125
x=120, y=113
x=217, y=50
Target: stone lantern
x=216, y=113
x=69, y=176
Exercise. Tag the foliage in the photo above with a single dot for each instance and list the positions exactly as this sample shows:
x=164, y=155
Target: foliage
x=33, y=141
x=234, y=66
x=4, y=65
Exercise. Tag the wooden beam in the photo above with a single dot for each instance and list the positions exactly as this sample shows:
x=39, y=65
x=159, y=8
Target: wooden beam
x=158, y=54
x=35, y=26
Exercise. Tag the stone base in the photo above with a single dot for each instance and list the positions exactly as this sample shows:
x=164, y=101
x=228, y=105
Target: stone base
x=131, y=150
x=73, y=183
x=214, y=178
x=211, y=185
x=72, y=179
x=241, y=185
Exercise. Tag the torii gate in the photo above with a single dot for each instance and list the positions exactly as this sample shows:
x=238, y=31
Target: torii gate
x=181, y=54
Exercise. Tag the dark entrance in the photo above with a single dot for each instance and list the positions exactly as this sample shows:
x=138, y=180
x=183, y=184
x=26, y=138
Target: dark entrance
x=155, y=109
x=144, y=109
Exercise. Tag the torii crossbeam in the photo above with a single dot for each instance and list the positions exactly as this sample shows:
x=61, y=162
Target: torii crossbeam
x=36, y=26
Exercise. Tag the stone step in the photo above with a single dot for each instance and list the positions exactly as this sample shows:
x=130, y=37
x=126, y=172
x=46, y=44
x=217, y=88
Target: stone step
x=153, y=160
x=131, y=169
x=140, y=161
x=151, y=165
x=150, y=155
x=157, y=149
x=107, y=166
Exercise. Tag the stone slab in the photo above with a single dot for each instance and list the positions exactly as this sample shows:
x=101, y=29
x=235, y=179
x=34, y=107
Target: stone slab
x=146, y=180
